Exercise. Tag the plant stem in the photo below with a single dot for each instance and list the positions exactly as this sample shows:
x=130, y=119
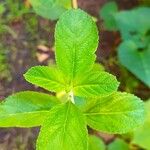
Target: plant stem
x=74, y=4
x=71, y=97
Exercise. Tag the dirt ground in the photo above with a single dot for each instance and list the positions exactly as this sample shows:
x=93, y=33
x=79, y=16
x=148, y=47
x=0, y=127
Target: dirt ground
x=25, y=51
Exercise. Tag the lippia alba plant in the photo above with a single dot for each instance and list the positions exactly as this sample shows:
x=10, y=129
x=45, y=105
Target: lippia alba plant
x=90, y=97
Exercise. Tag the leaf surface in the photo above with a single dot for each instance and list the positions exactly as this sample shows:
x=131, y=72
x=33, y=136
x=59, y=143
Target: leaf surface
x=26, y=109
x=137, y=62
x=108, y=13
x=64, y=129
x=46, y=77
x=118, y=144
x=96, y=143
x=133, y=22
x=76, y=40
x=116, y=113
x=50, y=9
x=141, y=136
x=95, y=83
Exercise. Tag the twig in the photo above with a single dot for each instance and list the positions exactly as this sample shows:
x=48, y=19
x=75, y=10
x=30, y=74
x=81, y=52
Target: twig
x=74, y=4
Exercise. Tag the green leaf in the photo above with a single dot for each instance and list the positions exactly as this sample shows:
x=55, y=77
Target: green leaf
x=95, y=83
x=76, y=40
x=116, y=113
x=26, y=109
x=133, y=22
x=80, y=101
x=118, y=144
x=50, y=9
x=107, y=13
x=98, y=67
x=96, y=143
x=48, y=78
x=2, y=9
x=64, y=129
x=142, y=135
x=137, y=62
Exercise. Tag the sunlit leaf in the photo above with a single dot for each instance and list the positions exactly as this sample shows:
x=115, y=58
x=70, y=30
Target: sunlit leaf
x=46, y=77
x=26, y=109
x=117, y=113
x=95, y=83
x=76, y=40
x=141, y=136
x=64, y=129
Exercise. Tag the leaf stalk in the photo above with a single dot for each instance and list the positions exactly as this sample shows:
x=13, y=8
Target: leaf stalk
x=71, y=97
x=74, y=4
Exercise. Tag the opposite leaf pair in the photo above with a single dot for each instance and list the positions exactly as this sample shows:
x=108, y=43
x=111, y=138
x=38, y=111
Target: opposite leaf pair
x=76, y=40
x=64, y=124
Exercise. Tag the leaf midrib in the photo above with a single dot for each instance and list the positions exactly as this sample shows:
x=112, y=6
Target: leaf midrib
x=65, y=123
x=22, y=113
x=46, y=79
x=111, y=113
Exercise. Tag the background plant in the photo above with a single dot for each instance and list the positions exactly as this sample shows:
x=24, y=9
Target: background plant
x=9, y=11
x=55, y=9
x=134, y=26
x=4, y=67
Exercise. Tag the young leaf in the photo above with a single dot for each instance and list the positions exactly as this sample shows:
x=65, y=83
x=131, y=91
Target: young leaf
x=76, y=40
x=118, y=144
x=48, y=78
x=26, y=109
x=116, y=113
x=141, y=136
x=50, y=9
x=96, y=143
x=64, y=129
x=128, y=53
x=95, y=83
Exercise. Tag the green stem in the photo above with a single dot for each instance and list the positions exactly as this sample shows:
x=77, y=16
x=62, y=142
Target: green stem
x=71, y=97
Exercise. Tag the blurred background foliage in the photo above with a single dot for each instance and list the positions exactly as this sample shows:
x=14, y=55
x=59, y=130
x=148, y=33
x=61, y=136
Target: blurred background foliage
x=27, y=39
